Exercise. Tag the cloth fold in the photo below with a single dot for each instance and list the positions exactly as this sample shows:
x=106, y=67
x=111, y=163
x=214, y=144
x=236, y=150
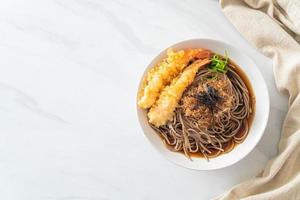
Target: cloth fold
x=273, y=27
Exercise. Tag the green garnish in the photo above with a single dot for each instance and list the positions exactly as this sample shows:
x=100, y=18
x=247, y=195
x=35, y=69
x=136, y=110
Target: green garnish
x=219, y=64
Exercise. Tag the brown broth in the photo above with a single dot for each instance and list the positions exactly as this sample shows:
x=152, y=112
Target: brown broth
x=231, y=145
x=247, y=82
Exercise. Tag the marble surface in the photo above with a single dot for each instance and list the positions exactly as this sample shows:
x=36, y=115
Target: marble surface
x=69, y=71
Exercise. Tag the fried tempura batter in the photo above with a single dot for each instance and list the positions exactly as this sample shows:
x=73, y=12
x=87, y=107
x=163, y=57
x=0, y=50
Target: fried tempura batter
x=163, y=109
x=164, y=72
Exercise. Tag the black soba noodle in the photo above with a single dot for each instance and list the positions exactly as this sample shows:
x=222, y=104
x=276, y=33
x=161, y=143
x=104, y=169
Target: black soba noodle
x=227, y=128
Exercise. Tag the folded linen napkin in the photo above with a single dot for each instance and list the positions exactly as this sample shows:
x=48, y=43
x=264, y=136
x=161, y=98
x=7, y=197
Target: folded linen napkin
x=273, y=27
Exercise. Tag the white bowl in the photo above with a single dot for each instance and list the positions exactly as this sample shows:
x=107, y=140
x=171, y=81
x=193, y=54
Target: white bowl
x=260, y=117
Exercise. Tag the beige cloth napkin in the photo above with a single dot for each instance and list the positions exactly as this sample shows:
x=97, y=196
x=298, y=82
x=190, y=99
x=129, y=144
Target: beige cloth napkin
x=273, y=27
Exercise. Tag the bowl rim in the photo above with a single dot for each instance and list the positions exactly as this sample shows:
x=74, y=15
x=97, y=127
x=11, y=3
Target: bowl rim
x=264, y=123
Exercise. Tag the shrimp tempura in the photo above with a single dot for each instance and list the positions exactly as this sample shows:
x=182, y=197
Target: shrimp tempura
x=164, y=72
x=163, y=109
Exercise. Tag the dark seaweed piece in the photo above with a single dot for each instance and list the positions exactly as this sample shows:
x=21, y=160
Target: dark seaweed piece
x=209, y=98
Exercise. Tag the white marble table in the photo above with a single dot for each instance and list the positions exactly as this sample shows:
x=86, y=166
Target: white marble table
x=69, y=71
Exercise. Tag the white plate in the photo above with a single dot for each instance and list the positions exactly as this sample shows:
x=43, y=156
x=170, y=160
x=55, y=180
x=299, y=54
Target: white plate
x=260, y=118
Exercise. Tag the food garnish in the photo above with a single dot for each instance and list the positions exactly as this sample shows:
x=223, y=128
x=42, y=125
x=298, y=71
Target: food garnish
x=219, y=64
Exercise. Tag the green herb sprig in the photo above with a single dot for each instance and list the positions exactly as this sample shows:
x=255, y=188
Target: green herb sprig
x=219, y=64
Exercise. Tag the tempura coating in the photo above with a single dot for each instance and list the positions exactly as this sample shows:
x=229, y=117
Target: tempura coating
x=163, y=109
x=164, y=72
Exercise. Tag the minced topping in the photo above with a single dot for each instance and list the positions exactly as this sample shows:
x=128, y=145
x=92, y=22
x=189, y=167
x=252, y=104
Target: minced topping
x=209, y=97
